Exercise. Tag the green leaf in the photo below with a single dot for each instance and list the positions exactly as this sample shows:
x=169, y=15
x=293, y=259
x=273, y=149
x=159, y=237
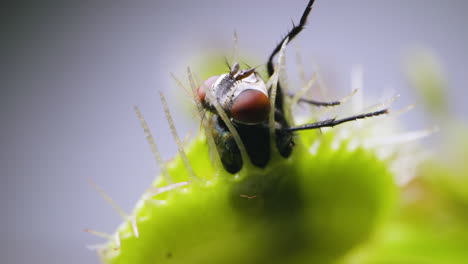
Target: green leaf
x=315, y=205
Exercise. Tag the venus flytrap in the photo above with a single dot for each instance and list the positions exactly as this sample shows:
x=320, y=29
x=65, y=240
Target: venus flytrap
x=325, y=199
x=315, y=203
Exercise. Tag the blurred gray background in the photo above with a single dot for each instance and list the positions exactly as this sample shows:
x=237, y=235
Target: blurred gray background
x=71, y=72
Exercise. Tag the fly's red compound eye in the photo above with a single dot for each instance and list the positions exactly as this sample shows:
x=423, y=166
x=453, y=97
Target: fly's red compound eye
x=242, y=95
x=201, y=91
x=250, y=107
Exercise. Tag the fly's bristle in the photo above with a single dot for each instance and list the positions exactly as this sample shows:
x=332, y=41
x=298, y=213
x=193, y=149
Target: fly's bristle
x=180, y=147
x=151, y=142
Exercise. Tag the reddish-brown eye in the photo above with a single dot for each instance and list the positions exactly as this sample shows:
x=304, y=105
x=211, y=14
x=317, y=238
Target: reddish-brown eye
x=250, y=107
x=201, y=91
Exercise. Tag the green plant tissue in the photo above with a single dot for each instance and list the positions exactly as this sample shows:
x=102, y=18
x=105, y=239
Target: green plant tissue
x=315, y=205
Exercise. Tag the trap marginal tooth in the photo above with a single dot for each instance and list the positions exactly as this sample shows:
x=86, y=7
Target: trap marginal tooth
x=220, y=111
x=303, y=90
x=98, y=233
x=274, y=85
x=96, y=247
x=357, y=82
x=401, y=138
x=180, y=84
x=133, y=222
x=152, y=143
x=384, y=104
x=314, y=148
x=299, y=64
x=158, y=190
x=117, y=240
x=180, y=148
x=109, y=200
x=114, y=205
x=235, y=50
x=403, y=111
x=322, y=87
x=214, y=155
x=349, y=96
x=345, y=99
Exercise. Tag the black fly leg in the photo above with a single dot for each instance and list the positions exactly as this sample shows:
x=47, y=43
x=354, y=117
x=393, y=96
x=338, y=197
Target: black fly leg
x=319, y=103
x=284, y=138
x=258, y=147
x=291, y=34
x=334, y=122
x=226, y=145
x=316, y=103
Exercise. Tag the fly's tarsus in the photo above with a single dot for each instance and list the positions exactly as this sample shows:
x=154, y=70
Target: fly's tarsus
x=319, y=103
x=291, y=34
x=334, y=122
